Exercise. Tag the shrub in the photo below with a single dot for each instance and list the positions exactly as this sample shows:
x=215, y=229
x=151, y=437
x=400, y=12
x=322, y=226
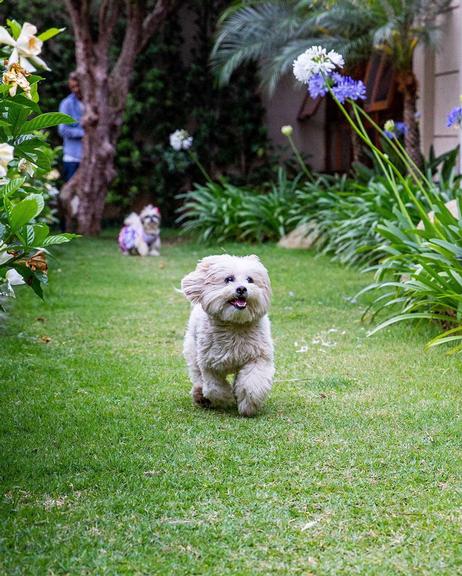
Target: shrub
x=421, y=274
x=220, y=211
x=25, y=162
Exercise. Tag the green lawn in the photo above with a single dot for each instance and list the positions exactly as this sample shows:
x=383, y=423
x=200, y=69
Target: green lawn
x=354, y=467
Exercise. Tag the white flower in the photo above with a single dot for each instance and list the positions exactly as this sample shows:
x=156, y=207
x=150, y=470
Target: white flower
x=4, y=255
x=14, y=278
x=53, y=174
x=6, y=155
x=26, y=166
x=25, y=49
x=316, y=60
x=181, y=140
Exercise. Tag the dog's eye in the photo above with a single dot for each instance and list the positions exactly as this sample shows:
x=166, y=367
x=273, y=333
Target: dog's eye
x=229, y=279
x=250, y=279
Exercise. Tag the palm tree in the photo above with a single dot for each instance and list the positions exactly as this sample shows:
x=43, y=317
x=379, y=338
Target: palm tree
x=274, y=32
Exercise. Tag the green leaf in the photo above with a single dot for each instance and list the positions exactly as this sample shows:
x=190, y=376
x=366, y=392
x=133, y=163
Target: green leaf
x=29, y=234
x=50, y=33
x=17, y=115
x=41, y=232
x=28, y=102
x=46, y=121
x=26, y=210
x=28, y=144
x=12, y=186
x=58, y=239
x=15, y=28
x=32, y=279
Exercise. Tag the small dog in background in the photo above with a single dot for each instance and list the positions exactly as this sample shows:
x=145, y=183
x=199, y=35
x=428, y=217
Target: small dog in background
x=229, y=332
x=140, y=234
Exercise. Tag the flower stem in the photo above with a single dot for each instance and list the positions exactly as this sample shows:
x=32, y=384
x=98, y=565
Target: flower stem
x=196, y=161
x=303, y=166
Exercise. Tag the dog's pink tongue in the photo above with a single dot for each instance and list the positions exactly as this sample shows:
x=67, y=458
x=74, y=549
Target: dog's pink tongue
x=241, y=303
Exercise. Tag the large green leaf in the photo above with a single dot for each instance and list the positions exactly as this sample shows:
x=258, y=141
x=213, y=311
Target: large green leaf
x=46, y=120
x=26, y=210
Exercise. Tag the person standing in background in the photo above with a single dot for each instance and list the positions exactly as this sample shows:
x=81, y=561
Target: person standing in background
x=72, y=134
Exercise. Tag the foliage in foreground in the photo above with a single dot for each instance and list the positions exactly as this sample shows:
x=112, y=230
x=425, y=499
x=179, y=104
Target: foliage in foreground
x=424, y=261
x=25, y=162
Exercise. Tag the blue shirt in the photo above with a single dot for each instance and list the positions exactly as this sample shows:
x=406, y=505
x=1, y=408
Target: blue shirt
x=72, y=134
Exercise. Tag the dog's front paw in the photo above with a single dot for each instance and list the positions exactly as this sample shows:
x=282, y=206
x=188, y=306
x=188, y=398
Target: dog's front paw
x=199, y=398
x=247, y=407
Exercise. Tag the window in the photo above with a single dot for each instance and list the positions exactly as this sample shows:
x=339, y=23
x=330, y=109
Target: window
x=309, y=107
x=380, y=83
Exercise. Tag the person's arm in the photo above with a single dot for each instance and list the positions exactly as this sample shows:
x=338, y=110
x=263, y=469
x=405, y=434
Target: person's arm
x=69, y=130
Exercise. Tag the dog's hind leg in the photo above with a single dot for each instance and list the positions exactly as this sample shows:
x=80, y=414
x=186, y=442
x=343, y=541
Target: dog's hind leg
x=252, y=385
x=217, y=389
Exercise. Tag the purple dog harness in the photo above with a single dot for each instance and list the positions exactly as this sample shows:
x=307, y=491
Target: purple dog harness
x=128, y=236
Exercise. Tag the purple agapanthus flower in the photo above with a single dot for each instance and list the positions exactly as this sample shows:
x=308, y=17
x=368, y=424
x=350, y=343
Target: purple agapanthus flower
x=317, y=86
x=455, y=117
x=345, y=88
x=401, y=128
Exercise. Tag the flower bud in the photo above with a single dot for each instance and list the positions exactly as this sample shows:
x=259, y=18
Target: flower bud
x=389, y=126
x=287, y=130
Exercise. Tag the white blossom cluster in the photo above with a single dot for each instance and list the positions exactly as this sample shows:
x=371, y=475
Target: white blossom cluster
x=6, y=155
x=316, y=60
x=181, y=140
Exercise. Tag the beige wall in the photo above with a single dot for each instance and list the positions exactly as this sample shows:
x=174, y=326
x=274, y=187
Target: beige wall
x=440, y=84
x=282, y=108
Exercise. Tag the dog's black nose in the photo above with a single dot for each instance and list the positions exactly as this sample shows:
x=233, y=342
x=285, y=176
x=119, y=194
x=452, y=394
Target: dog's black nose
x=241, y=290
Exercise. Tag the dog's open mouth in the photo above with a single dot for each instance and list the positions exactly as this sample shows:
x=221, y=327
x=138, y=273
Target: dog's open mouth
x=239, y=303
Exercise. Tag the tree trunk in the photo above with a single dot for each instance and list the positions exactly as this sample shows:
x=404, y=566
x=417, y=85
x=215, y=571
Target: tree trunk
x=96, y=170
x=407, y=84
x=104, y=92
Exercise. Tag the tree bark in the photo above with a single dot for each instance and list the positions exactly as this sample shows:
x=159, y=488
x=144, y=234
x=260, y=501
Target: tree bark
x=104, y=93
x=407, y=84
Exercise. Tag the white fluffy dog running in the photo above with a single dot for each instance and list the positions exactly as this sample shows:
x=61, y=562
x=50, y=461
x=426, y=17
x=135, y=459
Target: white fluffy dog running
x=229, y=332
x=141, y=233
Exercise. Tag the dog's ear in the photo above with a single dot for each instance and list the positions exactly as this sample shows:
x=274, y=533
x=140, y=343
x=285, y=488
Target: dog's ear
x=254, y=257
x=192, y=285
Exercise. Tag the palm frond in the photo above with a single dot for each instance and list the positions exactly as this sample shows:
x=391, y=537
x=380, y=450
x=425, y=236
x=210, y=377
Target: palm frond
x=256, y=32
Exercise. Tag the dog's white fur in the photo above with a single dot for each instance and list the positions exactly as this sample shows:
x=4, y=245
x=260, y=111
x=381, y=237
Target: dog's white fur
x=221, y=339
